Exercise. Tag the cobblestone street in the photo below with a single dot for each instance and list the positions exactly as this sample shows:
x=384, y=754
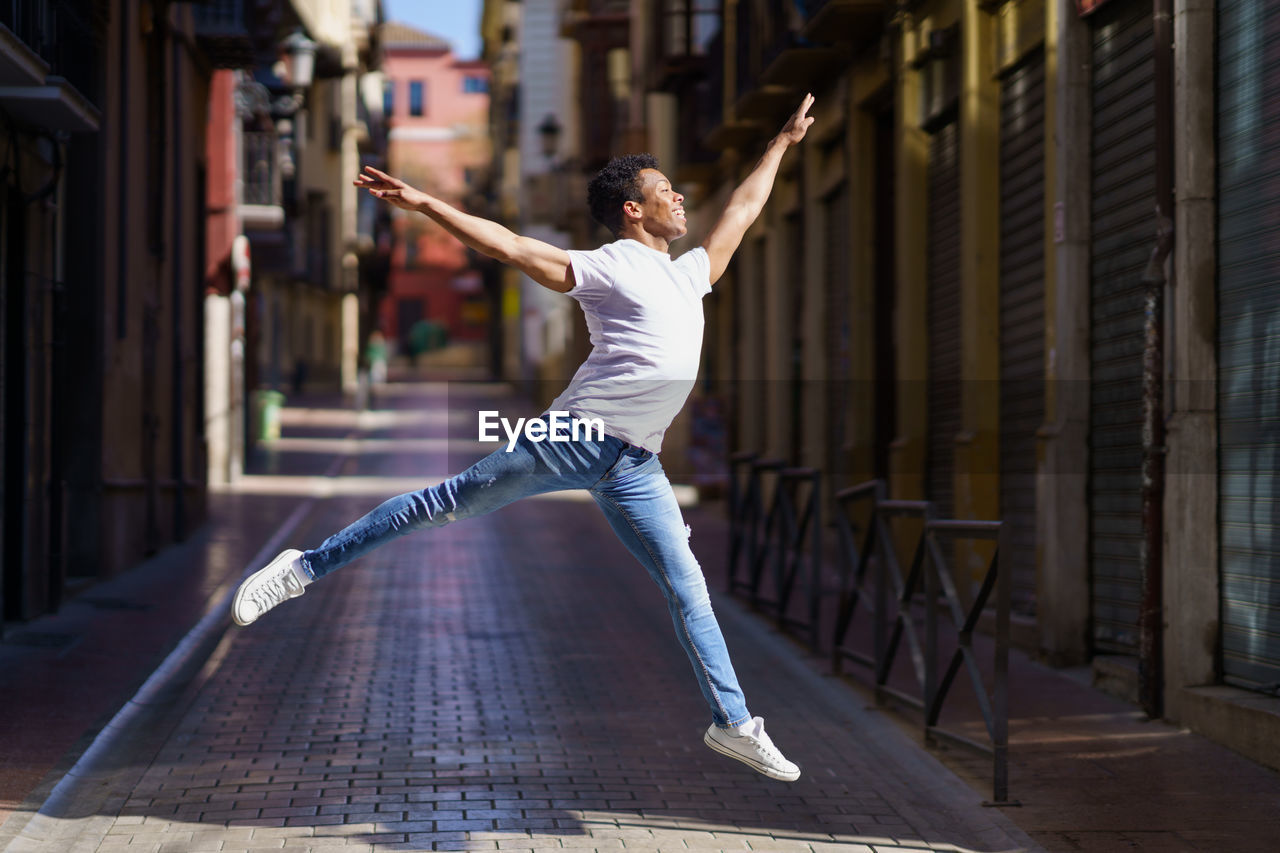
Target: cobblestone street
x=507, y=683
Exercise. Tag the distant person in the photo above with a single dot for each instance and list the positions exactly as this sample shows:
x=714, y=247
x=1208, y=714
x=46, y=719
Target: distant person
x=375, y=353
x=299, y=381
x=644, y=314
x=419, y=341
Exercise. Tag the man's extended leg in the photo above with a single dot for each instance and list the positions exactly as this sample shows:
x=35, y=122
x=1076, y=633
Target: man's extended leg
x=529, y=468
x=638, y=501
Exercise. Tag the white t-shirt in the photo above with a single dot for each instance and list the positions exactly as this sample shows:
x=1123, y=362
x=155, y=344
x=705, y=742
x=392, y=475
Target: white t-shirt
x=644, y=314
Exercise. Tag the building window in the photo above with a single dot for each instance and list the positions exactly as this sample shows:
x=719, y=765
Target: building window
x=388, y=97
x=417, y=97
x=474, y=85
x=688, y=26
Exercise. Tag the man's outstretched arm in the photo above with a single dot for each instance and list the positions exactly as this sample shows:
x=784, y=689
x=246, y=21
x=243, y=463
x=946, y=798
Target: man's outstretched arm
x=748, y=199
x=546, y=264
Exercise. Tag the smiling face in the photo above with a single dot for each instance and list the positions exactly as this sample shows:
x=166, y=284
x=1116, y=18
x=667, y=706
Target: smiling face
x=662, y=211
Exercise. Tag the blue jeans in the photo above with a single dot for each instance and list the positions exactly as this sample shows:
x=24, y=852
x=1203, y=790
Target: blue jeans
x=633, y=491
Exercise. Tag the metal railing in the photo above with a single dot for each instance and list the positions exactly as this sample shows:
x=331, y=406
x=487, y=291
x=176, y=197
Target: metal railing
x=872, y=580
x=771, y=551
x=64, y=34
x=261, y=168
x=683, y=28
x=219, y=17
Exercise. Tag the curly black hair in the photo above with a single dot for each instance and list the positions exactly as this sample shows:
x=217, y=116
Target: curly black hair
x=618, y=182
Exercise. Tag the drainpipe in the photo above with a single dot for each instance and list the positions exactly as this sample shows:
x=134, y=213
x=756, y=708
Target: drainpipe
x=177, y=408
x=122, y=178
x=1151, y=559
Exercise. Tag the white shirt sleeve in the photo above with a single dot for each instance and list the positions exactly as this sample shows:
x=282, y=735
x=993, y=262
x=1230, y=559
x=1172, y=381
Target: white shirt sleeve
x=593, y=274
x=696, y=263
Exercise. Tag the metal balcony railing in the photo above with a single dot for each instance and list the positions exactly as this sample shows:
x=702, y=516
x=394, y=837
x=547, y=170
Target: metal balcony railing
x=682, y=32
x=219, y=17
x=686, y=27
x=261, y=168
x=223, y=32
x=700, y=112
x=776, y=55
x=64, y=34
x=762, y=27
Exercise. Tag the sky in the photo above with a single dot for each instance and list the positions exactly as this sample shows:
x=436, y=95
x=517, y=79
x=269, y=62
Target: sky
x=458, y=21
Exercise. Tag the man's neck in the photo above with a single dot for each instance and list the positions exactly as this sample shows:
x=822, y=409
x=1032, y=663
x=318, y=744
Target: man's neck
x=646, y=239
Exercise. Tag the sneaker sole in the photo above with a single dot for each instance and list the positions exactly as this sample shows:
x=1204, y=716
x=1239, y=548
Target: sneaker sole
x=754, y=765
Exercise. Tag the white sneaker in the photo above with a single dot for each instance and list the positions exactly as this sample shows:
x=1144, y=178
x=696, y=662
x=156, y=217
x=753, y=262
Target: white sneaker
x=282, y=579
x=750, y=745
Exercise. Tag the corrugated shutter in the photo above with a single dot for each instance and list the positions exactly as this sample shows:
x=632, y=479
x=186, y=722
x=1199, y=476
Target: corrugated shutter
x=1249, y=340
x=1021, y=314
x=943, y=316
x=13, y=406
x=836, y=263
x=793, y=247
x=886, y=342
x=1123, y=232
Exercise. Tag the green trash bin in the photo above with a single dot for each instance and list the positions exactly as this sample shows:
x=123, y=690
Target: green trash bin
x=268, y=404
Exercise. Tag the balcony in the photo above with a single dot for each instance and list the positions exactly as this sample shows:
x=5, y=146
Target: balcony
x=776, y=61
x=578, y=15
x=20, y=65
x=261, y=206
x=699, y=111
x=223, y=33
x=49, y=55
x=682, y=32
x=855, y=23
x=717, y=130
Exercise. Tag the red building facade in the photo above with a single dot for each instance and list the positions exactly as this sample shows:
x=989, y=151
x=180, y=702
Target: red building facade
x=437, y=110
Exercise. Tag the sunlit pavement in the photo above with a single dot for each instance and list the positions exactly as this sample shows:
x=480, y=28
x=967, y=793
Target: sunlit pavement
x=506, y=683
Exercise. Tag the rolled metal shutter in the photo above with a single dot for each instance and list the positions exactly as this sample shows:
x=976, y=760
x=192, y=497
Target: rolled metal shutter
x=1021, y=314
x=943, y=316
x=838, y=392
x=1123, y=233
x=1248, y=103
x=883, y=237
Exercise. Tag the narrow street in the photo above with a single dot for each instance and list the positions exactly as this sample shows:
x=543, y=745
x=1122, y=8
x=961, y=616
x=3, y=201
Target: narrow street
x=511, y=682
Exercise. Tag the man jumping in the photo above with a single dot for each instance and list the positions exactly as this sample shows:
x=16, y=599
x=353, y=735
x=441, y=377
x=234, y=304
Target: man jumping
x=644, y=315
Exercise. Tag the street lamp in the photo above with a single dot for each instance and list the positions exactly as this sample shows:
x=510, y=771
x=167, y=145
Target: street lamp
x=252, y=98
x=549, y=132
x=302, y=58
x=302, y=66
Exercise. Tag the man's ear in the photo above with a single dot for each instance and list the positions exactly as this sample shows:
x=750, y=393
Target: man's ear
x=631, y=209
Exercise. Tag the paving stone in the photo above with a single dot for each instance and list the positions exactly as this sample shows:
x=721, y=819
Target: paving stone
x=447, y=825
x=120, y=843
x=158, y=837
x=196, y=845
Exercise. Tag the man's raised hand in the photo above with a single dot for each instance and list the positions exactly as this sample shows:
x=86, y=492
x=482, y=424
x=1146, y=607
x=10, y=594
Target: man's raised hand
x=389, y=189
x=793, y=131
